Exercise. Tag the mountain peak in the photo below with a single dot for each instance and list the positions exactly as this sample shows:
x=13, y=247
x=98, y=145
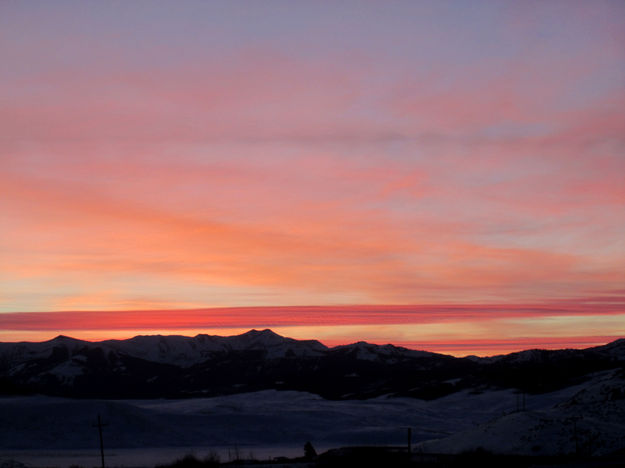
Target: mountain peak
x=265, y=332
x=264, y=335
x=63, y=339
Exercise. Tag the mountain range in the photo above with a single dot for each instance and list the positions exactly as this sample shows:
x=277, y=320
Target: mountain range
x=181, y=367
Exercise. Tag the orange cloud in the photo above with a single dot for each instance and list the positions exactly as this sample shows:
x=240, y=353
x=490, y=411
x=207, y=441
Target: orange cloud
x=314, y=245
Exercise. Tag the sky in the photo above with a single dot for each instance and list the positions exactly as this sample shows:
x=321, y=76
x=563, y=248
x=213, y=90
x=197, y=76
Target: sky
x=443, y=175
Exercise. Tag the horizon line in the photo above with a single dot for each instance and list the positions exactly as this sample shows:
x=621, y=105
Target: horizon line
x=586, y=343
x=458, y=329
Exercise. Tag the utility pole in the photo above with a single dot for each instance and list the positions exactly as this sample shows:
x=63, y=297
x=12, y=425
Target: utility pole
x=577, y=448
x=100, y=425
x=409, y=440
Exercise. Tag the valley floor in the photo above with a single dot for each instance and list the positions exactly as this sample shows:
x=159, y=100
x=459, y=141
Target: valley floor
x=55, y=432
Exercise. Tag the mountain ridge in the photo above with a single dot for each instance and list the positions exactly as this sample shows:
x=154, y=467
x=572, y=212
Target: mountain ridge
x=617, y=343
x=150, y=366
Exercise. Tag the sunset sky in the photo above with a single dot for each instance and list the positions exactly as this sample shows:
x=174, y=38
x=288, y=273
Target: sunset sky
x=442, y=175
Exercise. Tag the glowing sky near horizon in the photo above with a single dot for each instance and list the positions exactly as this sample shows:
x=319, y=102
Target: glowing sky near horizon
x=197, y=155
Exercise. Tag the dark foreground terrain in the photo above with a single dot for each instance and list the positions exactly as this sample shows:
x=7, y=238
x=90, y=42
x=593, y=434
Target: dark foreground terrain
x=376, y=457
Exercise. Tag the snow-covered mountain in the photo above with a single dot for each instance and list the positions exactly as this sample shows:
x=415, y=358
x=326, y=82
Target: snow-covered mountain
x=185, y=351
x=388, y=353
x=177, y=350
x=591, y=422
x=179, y=366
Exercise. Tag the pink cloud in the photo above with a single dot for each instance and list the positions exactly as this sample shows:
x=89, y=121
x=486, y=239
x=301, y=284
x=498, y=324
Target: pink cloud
x=456, y=181
x=241, y=317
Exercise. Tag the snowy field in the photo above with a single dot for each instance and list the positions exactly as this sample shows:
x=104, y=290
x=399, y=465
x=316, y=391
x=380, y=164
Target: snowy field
x=55, y=432
x=138, y=457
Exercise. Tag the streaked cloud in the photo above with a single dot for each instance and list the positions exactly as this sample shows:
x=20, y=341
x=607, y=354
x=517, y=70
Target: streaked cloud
x=214, y=155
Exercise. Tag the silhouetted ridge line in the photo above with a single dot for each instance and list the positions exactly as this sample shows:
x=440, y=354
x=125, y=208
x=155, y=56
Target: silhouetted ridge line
x=150, y=366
